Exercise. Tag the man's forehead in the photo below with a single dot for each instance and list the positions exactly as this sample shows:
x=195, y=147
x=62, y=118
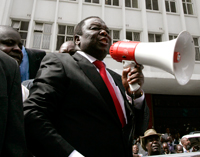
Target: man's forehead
x=9, y=33
x=96, y=21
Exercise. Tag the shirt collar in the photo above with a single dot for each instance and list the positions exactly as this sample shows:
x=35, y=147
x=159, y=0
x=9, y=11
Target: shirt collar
x=88, y=57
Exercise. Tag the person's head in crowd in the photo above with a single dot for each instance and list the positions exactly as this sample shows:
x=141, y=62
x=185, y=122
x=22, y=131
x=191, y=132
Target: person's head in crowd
x=169, y=139
x=137, y=140
x=179, y=148
x=68, y=47
x=195, y=148
x=165, y=148
x=168, y=130
x=151, y=142
x=92, y=37
x=135, y=149
x=186, y=143
x=10, y=42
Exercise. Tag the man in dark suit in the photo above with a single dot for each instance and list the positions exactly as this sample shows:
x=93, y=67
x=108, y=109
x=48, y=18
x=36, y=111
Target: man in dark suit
x=12, y=136
x=71, y=111
x=30, y=63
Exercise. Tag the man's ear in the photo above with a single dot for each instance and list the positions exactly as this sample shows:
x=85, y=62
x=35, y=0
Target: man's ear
x=77, y=39
x=146, y=147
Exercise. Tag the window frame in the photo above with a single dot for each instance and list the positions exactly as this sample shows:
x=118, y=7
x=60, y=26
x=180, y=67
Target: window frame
x=64, y=35
x=170, y=8
x=133, y=35
x=185, y=9
x=43, y=35
x=112, y=34
x=20, y=30
x=92, y=1
x=173, y=36
x=152, y=6
x=112, y=3
x=131, y=4
x=197, y=56
x=154, y=36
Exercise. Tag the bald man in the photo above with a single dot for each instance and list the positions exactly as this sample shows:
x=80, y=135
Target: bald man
x=68, y=47
x=186, y=145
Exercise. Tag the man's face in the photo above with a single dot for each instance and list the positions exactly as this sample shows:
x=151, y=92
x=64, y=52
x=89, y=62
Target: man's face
x=187, y=143
x=95, y=39
x=179, y=149
x=135, y=149
x=165, y=148
x=10, y=43
x=153, y=145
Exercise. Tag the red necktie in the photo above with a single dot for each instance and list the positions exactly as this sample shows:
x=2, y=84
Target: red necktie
x=104, y=76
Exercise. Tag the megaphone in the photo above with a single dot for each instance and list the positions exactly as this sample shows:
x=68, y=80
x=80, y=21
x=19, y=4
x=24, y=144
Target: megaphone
x=176, y=56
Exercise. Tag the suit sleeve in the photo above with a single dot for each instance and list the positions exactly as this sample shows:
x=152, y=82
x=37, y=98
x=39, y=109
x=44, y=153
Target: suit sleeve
x=141, y=119
x=45, y=96
x=12, y=135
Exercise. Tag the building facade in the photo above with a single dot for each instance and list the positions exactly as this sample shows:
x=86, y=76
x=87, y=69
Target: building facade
x=46, y=24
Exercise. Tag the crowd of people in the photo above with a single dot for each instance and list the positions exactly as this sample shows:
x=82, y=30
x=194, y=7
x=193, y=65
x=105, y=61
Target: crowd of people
x=153, y=143
x=72, y=104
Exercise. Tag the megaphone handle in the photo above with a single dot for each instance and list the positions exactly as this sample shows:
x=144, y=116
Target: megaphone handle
x=126, y=64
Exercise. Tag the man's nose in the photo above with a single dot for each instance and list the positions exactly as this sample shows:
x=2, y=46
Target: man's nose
x=103, y=32
x=17, y=49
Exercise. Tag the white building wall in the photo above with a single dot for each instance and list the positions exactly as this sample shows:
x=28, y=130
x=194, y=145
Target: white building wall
x=116, y=17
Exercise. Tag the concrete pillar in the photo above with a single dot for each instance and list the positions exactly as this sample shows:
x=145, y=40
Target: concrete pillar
x=54, y=32
x=31, y=24
x=164, y=15
x=144, y=21
x=182, y=16
x=123, y=21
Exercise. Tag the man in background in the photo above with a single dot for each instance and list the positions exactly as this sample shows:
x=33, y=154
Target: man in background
x=151, y=142
x=68, y=47
x=179, y=148
x=12, y=135
x=186, y=145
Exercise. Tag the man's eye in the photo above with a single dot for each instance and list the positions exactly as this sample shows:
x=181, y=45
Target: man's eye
x=95, y=28
x=8, y=42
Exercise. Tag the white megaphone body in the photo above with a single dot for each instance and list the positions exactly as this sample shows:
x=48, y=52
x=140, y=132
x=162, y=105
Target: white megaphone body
x=176, y=56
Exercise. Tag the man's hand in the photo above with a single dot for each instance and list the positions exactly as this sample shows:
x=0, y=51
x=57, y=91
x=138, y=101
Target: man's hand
x=133, y=76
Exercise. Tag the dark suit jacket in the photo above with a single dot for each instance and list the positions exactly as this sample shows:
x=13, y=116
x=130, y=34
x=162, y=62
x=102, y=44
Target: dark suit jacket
x=12, y=135
x=70, y=108
x=35, y=57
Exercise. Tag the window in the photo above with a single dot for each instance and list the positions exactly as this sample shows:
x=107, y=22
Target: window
x=112, y=2
x=114, y=34
x=152, y=4
x=133, y=36
x=171, y=37
x=22, y=28
x=188, y=7
x=92, y=1
x=197, y=49
x=42, y=36
x=154, y=37
x=170, y=6
x=65, y=33
x=131, y=3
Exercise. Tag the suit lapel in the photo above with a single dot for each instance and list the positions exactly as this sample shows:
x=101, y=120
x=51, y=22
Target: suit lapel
x=94, y=76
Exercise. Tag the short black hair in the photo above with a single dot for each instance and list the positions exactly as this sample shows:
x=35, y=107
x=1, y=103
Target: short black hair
x=7, y=28
x=4, y=27
x=78, y=28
